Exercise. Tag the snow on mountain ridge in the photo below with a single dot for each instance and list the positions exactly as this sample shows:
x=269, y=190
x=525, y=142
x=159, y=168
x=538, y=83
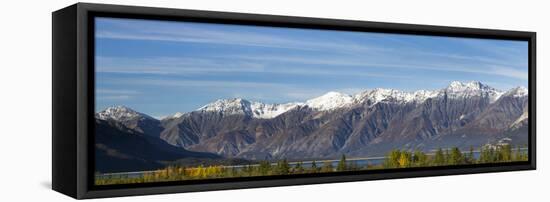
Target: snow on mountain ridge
x=460, y=87
x=326, y=102
x=120, y=113
x=229, y=106
x=422, y=95
x=380, y=95
x=517, y=92
x=457, y=89
x=335, y=100
x=267, y=111
x=245, y=107
x=330, y=101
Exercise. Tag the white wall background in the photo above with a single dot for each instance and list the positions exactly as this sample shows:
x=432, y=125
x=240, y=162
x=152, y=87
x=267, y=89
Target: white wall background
x=25, y=102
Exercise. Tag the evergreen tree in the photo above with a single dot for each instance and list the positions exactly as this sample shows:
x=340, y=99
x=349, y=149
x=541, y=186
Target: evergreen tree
x=232, y=172
x=470, y=158
x=505, y=153
x=249, y=170
x=517, y=154
x=456, y=156
x=265, y=167
x=282, y=167
x=483, y=155
x=487, y=155
x=414, y=158
x=520, y=155
x=447, y=156
x=342, y=165
x=439, y=158
x=314, y=167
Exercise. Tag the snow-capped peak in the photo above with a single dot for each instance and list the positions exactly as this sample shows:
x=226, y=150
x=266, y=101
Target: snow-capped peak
x=228, y=106
x=422, y=95
x=459, y=89
x=457, y=86
x=334, y=100
x=245, y=107
x=330, y=100
x=120, y=113
x=267, y=111
x=382, y=94
x=518, y=92
x=391, y=95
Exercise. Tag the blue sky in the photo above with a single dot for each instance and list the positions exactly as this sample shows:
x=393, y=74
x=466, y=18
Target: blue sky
x=161, y=67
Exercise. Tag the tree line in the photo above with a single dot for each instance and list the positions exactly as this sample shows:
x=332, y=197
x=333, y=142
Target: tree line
x=453, y=156
x=394, y=159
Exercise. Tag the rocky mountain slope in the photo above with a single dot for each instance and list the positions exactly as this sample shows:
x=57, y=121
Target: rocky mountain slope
x=366, y=124
x=119, y=149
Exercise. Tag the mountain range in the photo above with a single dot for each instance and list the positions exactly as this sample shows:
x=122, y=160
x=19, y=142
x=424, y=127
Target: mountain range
x=369, y=123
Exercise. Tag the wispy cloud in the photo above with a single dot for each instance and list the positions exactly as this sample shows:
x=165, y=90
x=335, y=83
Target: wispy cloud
x=231, y=35
x=258, y=91
x=224, y=65
x=481, y=68
x=509, y=50
x=292, y=65
x=403, y=54
x=115, y=94
x=195, y=83
x=172, y=65
x=509, y=72
x=473, y=58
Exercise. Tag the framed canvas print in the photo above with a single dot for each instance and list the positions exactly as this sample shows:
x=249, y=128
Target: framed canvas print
x=154, y=100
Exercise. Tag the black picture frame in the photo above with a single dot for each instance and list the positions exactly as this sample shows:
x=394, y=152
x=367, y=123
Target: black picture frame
x=73, y=99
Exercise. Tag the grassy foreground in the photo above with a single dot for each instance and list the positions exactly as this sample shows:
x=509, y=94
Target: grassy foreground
x=394, y=159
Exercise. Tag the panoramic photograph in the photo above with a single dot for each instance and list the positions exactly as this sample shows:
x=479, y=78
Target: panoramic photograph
x=179, y=101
